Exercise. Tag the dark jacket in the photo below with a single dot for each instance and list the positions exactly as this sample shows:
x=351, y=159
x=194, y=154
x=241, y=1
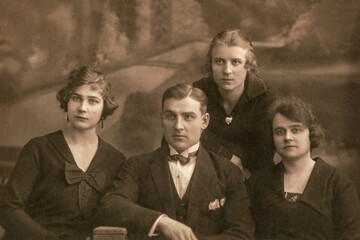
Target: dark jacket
x=328, y=209
x=143, y=192
x=49, y=197
x=248, y=136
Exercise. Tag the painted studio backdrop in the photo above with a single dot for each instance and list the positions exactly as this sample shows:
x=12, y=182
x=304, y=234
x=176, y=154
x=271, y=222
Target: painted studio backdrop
x=309, y=47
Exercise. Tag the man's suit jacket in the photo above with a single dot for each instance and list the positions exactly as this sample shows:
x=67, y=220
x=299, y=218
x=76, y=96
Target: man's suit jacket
x=142, y=192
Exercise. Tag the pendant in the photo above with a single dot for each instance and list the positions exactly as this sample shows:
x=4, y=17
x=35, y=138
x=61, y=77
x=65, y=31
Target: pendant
x=228, y=120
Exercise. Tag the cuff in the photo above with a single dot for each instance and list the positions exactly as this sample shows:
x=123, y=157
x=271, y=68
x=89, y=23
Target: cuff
x=152, y=229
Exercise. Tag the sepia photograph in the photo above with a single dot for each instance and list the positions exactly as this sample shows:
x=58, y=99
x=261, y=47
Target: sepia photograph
x=179, y=119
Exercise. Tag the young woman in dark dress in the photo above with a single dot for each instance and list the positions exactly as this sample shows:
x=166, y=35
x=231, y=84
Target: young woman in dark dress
x=59, y=178
x=301, y=197
x=238, y=100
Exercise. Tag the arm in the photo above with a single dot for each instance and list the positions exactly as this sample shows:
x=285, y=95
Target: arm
x=15, y=195
x=237, y=218
x=119, y=206
x=346, y=215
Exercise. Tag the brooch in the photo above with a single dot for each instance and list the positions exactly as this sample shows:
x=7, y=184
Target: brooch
x=228, y=120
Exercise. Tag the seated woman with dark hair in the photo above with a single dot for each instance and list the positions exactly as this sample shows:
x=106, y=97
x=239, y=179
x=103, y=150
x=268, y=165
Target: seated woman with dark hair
x=301, y=197
x=59, y=178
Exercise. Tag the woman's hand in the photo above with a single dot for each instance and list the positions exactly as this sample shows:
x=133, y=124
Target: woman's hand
x=237, y=161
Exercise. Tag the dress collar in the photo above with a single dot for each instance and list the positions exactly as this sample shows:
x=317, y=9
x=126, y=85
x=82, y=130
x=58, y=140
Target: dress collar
x=58, y=141
x=314, y=193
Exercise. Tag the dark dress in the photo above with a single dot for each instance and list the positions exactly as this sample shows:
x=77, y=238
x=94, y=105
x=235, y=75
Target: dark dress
x=248, y=136
x=49, y=197
x=328, y=208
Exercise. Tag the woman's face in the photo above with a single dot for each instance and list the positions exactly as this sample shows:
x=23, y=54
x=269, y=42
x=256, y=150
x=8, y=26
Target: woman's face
x=292, y=139
x=228, y=67
x=85, y=107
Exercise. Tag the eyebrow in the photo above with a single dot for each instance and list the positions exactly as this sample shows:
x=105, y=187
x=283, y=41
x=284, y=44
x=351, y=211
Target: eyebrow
x=91, y=96
x=291, y=126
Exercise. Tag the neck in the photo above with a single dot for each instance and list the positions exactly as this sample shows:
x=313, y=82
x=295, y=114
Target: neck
x=193, y=148
x=301, y=165
x=76, y=136
x=232, y=97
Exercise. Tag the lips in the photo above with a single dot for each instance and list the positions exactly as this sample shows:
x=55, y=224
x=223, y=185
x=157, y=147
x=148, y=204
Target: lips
x=289, y=147
x=179, y=136
x=81, y=118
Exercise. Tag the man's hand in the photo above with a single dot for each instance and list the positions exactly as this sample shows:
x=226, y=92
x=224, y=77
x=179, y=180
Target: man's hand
x=174, y=230
x=237, y=161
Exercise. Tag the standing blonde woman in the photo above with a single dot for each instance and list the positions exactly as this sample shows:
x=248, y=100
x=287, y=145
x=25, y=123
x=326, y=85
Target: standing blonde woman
x=237, y=105
x=60, y=178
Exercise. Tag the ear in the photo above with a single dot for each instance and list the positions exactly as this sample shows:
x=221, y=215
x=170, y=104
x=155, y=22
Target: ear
x=205, y=120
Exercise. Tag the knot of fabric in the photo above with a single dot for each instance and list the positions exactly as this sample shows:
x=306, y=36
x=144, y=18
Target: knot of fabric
x=183, y=160
x=73, y=175
x=178, y=157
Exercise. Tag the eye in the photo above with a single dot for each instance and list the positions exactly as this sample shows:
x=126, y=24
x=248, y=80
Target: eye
x=75, y=98
x=219, y=61
x=296, y=130
x=188, y=117
x=279, y=132
x=169, y=116
x=94, y=101
x=236, y=62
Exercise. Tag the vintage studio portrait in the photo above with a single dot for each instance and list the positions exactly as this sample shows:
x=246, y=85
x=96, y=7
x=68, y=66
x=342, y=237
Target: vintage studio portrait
x=179, y=119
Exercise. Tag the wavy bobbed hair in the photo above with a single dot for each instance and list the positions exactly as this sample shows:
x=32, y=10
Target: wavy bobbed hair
x=82, y=76
x=233, y=38
x=295, y=109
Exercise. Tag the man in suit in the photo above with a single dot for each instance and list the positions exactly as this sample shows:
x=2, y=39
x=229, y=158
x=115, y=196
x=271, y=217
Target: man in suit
x=180, y=191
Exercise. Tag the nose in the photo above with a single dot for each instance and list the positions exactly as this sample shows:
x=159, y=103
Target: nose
x=227, y=69
x=82, y=106
x=179, y=124
x=288, y=136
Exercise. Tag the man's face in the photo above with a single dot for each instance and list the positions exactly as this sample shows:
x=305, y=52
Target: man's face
x=183, y=122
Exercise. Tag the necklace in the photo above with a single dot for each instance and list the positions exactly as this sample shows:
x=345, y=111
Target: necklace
x=228, y=119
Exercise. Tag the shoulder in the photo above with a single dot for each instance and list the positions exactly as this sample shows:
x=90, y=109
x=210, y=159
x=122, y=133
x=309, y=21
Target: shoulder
x=42, y=141
x=149, y=157
x=325, y=171
x=111, y=151
x=261, y=178
x=221, y=165
x=207, y=85
x=257, y=88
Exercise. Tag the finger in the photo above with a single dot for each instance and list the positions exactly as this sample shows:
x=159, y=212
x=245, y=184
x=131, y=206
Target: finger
x=192, y=236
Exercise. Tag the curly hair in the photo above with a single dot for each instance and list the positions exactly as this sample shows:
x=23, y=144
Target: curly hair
x=85, y=75
x=295, y=109
x=233, y=37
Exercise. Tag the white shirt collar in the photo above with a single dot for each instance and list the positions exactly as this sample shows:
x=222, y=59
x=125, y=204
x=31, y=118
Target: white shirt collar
x=185, y=153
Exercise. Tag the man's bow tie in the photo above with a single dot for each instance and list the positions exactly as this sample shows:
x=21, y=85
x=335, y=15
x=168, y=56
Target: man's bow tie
x=183, y=160
x=178, y=157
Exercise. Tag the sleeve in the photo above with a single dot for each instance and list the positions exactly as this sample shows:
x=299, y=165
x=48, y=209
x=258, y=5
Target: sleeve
x=14, y=199
x=119, y=206
x=346, y=215
x=237, y=218
x=261, y=153
x=216, y=144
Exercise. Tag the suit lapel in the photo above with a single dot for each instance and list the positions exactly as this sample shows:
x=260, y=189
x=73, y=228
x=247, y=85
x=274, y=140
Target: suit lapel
x=205, y=187
x=161, y=175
